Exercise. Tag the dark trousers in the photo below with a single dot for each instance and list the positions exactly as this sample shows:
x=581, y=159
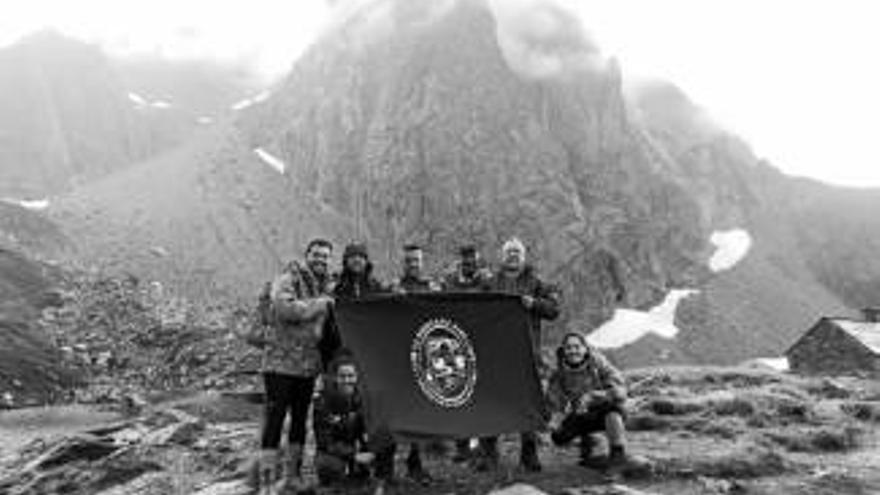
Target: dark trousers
x=286, y=393
x=382, y=444
x=581, y=425
x=528, y=442
x=334, y=469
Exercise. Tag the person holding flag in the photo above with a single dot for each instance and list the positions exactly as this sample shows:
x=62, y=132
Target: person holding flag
x=356, y=279
x=413, y=281
x=467, y=277
x=541, y=301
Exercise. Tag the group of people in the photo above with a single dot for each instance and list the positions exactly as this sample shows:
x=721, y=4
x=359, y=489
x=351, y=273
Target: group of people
x=300, y=343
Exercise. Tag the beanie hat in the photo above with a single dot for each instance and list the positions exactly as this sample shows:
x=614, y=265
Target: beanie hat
x=355, y=249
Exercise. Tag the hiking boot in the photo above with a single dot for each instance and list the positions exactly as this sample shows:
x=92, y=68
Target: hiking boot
x=617, y=457
x=528, y=454
x=530, y=463
x=462, y=451
x=292, y=466
x=268, y=472
x=486, y=458
x=587, y=445
x=618, y=462
x=420, y=476
x=414, y=468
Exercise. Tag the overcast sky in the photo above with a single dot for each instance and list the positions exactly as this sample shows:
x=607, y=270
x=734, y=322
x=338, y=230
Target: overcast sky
x=799, y=80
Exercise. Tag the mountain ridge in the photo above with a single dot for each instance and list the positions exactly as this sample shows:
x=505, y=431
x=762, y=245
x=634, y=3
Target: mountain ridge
x=407, y=123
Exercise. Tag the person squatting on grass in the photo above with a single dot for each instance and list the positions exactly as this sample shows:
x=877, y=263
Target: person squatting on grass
x=589, y=391
x=294, y=349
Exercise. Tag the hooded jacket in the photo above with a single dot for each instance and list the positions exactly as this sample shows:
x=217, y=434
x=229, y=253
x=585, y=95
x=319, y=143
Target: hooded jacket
x=568, y=383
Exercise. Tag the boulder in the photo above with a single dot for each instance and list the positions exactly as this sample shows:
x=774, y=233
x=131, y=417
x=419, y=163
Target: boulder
x=518, y=489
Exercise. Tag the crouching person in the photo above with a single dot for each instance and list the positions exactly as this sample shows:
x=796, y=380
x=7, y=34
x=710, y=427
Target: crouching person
x=340, y=431
x=589, y=391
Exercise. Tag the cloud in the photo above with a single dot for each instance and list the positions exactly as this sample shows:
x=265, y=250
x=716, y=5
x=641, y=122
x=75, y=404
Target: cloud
x=544, y=39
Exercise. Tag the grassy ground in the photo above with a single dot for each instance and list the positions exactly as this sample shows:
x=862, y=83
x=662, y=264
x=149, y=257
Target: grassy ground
x=701, y=430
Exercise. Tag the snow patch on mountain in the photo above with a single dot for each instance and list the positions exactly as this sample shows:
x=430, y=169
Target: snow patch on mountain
x=29, y=204
x=257, y=98
x=778, y=364
x=629, y=325
x=271, y=160
x=141, y=102
x=731, y=247
x=137, y=99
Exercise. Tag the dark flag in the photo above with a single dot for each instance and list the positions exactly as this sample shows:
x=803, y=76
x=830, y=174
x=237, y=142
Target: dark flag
x=455, y=365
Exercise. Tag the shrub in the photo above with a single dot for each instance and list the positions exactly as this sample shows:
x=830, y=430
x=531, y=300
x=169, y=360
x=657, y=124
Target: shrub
x=735, y=406
x=674, y=407
x=752, y=463
x=648, y=422
x=728, y=428
x=820, y=440
x=863, y=411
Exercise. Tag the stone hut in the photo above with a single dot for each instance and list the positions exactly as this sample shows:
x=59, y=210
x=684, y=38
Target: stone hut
x=837, y=346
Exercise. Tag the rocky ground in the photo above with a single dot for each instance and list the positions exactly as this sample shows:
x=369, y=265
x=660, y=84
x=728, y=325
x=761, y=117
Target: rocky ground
x=116, y=339
x=698, y=430
x=161, y=402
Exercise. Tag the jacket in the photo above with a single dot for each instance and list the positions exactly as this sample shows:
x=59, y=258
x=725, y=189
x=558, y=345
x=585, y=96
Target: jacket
x=293, y=338
x=352, y=286
x=456, y=281
x=338, y=421
x=527, y=283
x=567, y=383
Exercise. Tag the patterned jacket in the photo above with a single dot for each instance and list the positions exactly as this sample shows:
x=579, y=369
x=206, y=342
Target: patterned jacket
x=297, y=322
x=567, y=384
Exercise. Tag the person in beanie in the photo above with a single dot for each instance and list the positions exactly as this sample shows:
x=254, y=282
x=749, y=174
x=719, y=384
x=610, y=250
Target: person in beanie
x=298, y=307
x=467, y=276
x=356, y=279
x=541, y=301
x=590, y=392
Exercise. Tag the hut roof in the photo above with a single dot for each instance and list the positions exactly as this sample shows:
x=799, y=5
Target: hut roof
x=868, y=333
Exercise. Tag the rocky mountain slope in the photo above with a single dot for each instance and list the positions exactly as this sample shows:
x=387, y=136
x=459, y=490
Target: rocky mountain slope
x=211, y=220
x=470, y=121
x=69, y=113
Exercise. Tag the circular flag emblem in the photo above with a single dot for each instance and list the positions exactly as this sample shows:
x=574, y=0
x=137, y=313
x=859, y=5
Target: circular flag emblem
x=444, y=363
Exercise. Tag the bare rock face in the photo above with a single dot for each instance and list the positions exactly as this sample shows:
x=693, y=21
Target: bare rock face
x=467, y=123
